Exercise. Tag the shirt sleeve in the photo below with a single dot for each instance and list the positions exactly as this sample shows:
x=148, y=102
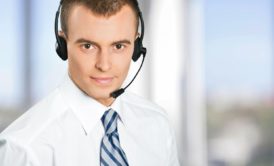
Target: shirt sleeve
x=14, y=154
x=172, y=150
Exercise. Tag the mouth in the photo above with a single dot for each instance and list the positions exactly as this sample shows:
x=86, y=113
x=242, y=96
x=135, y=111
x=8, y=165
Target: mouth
x=102, y=81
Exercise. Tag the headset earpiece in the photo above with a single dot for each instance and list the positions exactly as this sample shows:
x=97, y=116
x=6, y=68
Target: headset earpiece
x=61, y=44
x=61, y=48
x=138, y=49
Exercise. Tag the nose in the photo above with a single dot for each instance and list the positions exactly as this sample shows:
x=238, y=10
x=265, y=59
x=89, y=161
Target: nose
x=103, y=62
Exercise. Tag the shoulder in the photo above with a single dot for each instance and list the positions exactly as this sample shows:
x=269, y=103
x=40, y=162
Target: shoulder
x=150, y=117
x=36, y=119
x=149, y=121
x=142, y=106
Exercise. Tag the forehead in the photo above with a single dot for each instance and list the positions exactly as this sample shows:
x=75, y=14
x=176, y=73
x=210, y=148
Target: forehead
x=84, y=22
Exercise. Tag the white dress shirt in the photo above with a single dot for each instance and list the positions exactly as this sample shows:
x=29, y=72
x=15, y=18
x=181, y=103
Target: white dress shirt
x=65, y=129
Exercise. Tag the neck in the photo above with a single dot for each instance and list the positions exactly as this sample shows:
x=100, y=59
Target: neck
x=106, y=102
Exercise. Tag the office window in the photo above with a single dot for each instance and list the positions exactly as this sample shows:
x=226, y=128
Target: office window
x=30, y=68
x=239, y=79
x=12, y=54
x=11, y=46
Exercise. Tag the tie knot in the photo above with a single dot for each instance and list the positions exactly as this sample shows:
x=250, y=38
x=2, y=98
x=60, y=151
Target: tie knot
x=109, y=120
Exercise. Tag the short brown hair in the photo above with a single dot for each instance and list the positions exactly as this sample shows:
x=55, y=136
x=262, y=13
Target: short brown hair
x=101, y=7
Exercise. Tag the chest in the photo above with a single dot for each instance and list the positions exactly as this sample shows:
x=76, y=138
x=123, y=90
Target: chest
x=143, y=145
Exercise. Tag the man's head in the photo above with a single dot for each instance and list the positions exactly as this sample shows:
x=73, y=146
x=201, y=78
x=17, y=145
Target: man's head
x=100, y=37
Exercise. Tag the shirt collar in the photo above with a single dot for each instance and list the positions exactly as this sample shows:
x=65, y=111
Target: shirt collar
x=87, y=110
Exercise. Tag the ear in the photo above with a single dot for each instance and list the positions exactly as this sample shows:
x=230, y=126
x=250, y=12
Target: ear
x=62, y=34
x=137, y=35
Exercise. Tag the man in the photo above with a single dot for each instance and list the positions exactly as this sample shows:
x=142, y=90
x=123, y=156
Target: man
x=80, y=123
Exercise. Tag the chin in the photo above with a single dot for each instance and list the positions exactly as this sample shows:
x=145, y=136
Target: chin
x=100, y=94
x=104, y=99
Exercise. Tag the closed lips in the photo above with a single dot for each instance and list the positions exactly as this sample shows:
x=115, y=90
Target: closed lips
x=102, y=80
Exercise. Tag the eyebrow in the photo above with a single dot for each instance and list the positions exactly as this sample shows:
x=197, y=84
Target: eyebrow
x=82, y=40
x=125, y=41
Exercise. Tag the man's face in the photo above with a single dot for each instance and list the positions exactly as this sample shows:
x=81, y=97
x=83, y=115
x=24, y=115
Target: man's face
x=100, y=50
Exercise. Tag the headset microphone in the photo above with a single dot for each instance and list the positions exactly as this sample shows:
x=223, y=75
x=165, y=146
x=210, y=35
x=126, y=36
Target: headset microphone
x=118, y=92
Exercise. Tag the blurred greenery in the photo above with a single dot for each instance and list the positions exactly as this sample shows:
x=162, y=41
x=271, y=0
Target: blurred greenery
x=261, y=114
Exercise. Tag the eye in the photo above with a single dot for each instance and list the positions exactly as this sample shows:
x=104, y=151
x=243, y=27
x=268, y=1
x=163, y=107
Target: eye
x=119, y=46
x=87, y=46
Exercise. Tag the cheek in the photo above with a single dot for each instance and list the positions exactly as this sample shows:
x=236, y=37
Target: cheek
x=78, y=60
x=126, y=61
x=77, y=64
x=123, y=65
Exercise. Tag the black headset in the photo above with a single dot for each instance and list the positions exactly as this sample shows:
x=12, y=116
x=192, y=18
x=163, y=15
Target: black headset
x=61, y=44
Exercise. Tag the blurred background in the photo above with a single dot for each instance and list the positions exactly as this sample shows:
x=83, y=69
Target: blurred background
x=210, y=64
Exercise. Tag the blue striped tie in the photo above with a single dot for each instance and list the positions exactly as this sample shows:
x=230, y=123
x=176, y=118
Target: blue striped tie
x=111, y=152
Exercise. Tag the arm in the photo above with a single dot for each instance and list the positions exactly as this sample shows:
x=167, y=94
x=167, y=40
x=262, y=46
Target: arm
x=14, y=154
x=172, y=150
